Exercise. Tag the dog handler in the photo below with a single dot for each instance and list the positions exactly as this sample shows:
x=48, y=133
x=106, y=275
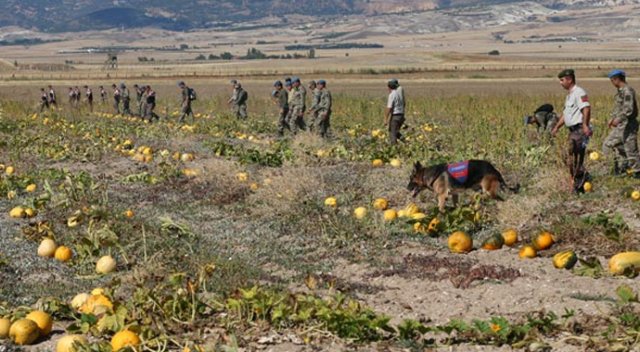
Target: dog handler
x=576, y=116
x=394, y=112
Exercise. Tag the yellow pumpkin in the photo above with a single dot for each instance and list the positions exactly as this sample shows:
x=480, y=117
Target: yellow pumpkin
x=587, y=186
x=543, y=241
x=9, y=170
x=527, y=252
x=625, y=262
x=331, y=202
x=418, y=216
x=31, y=188
x=395, y=162
x=24, y=332
x=129, y=213
x=5, y=325
x=43, y=320
x=17, y=213
x=124, y=338
x=96, y=304
x=380, y=204
x=390, y=215
x=595, y=156
x=66, y=343
x=411, y=209
x=63, y=253
x=360, y=212
x=242, y=176
x=377, y=162
x=635, y=195
x=510, y=237
x=79, y=299
x=460, y=242
x=434, y=225
x=565, y=259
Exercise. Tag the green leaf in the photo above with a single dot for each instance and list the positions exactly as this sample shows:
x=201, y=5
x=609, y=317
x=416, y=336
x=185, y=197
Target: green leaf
x=626, y=294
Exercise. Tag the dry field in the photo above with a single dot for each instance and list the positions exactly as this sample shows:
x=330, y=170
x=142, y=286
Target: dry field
x=230, y=245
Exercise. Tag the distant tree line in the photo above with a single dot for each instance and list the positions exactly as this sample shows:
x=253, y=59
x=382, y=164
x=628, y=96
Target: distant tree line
x=334, y=46
x=255, y=54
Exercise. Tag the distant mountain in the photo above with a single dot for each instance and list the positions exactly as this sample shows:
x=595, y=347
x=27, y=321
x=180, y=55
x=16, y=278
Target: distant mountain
x=81, y=15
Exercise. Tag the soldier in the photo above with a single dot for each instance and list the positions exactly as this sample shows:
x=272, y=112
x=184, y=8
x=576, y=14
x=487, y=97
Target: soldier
x=116, y=98
x=52, y=97
x=323, y=109
x=394, y=112
x=44, y=100
x=77, y=95
x=150, y=104
x=623, y=138
x=281, y=99
x=185, y=105
x=89, y=95
x=576, y=116
x=139, y=92
x=296, y=106
x=240, y=102
x=303, y=91
x=72, y=97
x=544, y=118
x=103, y=95
x=315, y=100
x=126, y=99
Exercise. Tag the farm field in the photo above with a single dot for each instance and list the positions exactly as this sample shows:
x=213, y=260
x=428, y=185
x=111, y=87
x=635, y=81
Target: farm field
x=224, y=239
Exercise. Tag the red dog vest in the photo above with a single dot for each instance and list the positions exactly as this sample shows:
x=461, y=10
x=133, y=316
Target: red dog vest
x=459, y=171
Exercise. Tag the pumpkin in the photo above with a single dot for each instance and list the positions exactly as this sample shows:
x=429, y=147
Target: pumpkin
x=360, y=212
x=9, y=170
x=635, y=195
x=390, y=215
x=493, y=242
x=543, y=241
x=434, y=225
x=5, y=325
x=24, y=332
x=510, y=237
x=47, y=248
x=527, y=252
x=595, y=156
x=460, y=242
x=43, y=320
x=31, y=188
x=377, y=163
x=418, y=216
x=79, y=300
x=587, y=186
x=129, y=213
x=380, y=204
x=411, y=209
x=105, y=265
x=331, y=202
x=565, y=259
x=123, y=339
x=96, y=305
x=63, y=253
x=625, y=262
x=66, y=343
x=17, y=213
x=395, y=162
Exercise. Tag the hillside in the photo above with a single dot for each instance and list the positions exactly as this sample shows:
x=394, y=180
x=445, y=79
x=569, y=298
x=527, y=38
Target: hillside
x=82, y=15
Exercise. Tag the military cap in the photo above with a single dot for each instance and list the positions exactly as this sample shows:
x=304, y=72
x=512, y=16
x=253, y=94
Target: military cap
x=392, y=83
x=277, y=84
x=287, y=83
x=323, y=82
x=567, y=72
x=122, y=85
x=233, y=81
x=238, y=85
x=616, y=72
x=295, y=79
x=181, y=83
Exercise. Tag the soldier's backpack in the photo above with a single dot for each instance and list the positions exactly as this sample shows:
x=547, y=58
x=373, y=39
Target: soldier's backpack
x=192, y=94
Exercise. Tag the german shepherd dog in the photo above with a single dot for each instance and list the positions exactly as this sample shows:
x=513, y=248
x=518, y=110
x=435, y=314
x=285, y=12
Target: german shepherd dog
x=443, y=179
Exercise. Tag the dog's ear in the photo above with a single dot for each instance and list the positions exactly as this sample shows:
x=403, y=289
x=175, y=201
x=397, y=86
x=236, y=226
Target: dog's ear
x=417, y=165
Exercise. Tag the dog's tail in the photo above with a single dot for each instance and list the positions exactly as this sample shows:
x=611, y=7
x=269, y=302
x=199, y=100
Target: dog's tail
x=503, y=184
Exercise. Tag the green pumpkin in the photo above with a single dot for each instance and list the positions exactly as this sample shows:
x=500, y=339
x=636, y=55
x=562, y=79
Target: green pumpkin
x=565, y=260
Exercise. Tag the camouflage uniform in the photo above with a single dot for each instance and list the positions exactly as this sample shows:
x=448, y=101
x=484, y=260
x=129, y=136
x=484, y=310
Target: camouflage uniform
x=126, y=100
x=116, y=99
x=240, y=103
x=623, y=138
x=139, y=94
x=186, y=105
x=281, y=98
x=324, y=112
x=314, y=109
x=44, y=100
x=296, y=106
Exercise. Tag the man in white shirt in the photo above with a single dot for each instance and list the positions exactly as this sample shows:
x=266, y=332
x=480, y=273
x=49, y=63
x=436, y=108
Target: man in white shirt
x=576, y=116
x=394, y=112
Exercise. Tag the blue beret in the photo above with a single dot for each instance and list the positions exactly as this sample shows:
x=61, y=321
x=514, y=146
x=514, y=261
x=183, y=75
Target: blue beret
x=277, y=84
x=323, y=82
x=616, y=72
x=287, y=83
x=295, y=79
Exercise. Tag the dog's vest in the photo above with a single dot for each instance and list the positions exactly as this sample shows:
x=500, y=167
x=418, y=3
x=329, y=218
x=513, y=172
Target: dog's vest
x=459, y=171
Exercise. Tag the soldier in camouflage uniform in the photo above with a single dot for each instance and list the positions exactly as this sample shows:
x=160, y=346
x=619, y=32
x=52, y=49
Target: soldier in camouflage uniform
x=323, y=109
x=44, y=100
x=139, y=92
x=315, y=100
x=296, y=106
x=185, y=105
x=623, y=138
x=281, y=99
x=116, y=98
x=126, y=99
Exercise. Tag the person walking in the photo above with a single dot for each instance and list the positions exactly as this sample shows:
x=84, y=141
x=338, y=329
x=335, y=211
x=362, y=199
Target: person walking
x=394, y=112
